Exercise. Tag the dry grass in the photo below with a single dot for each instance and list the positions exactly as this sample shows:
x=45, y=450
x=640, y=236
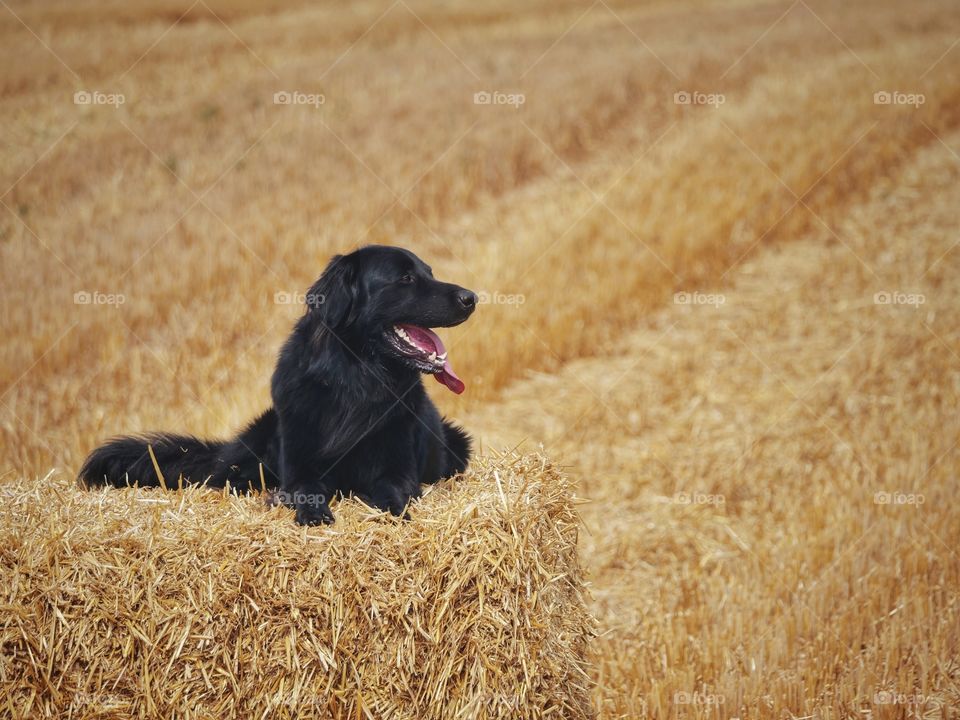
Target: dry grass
x=741, y=461
x=798, y=199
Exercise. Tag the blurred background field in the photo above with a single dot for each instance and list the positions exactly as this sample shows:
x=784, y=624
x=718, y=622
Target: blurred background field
x=716, y=242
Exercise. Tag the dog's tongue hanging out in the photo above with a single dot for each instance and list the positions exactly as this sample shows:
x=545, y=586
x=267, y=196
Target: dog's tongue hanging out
x=449, y=378
x=426, y=339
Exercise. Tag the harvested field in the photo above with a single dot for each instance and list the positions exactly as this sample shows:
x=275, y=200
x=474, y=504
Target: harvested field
x=717, y=243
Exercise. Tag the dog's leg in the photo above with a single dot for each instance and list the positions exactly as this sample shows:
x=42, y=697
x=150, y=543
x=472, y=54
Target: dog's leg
x=392, y=496
x=300, y=488
x=312, y=508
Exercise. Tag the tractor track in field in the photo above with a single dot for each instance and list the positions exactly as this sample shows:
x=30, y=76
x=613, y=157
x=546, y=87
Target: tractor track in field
x=796, y=397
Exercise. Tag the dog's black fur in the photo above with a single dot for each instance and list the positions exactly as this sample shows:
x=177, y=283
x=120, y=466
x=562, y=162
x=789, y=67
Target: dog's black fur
x=350, y=413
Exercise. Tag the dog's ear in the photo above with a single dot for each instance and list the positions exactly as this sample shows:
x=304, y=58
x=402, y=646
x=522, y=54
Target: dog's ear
x=333, y=297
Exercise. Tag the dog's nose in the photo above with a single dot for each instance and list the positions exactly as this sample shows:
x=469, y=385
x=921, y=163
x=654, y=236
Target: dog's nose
x=466, y=299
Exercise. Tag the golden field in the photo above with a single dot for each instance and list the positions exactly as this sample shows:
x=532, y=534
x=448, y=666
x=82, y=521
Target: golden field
x=717, y=241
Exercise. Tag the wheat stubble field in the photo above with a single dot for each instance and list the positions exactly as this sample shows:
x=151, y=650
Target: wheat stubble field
x=720, y=271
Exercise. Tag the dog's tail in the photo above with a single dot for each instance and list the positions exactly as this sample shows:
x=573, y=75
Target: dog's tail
x=186, y=459
x=458, y=448
x=126, y=461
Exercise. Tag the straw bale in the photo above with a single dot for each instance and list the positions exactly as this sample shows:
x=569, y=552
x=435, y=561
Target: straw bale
x=205, y=604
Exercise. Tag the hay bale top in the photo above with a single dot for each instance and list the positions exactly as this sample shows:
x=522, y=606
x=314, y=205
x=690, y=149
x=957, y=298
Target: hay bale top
x=202, y=603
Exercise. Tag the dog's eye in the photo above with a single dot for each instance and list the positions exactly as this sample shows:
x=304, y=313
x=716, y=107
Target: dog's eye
x=406, y=279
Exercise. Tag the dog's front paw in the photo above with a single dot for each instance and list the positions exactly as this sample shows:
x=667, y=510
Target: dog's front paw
x=314, y=514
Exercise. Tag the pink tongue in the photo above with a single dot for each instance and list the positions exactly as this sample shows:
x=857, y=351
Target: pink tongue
x=424, y=337
x=449, y=378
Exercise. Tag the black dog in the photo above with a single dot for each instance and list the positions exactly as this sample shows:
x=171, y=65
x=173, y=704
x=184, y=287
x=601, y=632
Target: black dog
x=350, y=412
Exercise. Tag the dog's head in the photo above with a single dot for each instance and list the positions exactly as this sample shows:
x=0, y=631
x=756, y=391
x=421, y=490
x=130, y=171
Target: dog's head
x=386, y=300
